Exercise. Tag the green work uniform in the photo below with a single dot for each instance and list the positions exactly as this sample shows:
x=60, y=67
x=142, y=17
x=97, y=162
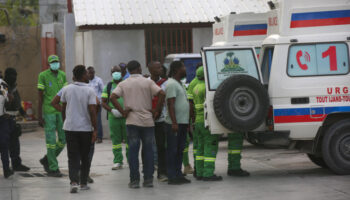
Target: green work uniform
x=185, y=158
x=51, y=84
x=117, y=128
x=235, y=144
x=207, y=144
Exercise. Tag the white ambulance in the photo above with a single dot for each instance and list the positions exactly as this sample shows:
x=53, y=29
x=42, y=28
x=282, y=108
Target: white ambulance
x=305, y=66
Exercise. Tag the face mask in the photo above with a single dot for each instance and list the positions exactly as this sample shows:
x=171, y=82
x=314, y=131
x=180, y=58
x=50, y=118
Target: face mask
x=55, y=66
x=117, y=76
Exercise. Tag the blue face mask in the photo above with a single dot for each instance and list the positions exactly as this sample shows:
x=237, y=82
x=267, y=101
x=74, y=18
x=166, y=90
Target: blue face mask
x=55, y=66
x=117, y=76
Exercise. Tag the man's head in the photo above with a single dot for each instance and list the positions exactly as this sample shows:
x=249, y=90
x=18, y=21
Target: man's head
x=116, y=73
x=134, y=67
x=155, y=68
x=200, y=64
x=200, y=73
x=177, y=68
x=10, y=76
x=80, y=74
x=91, y=72
x=163, y=75
x=123, y=68
x=54, y=62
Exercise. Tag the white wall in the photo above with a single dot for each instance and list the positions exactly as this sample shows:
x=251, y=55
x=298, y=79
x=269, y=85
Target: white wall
x=201, y=37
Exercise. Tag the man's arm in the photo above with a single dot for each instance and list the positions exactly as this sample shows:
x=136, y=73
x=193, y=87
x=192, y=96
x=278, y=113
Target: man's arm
x=92, y=113
x=171, y=110
x=117, y=105
x=160, y=104
x=192, y=111
x=40, y=106
x=64, y=105
x=105, y=105
x=56, y=103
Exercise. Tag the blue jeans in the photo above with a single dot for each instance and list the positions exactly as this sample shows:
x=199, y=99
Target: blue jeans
x=99, y=124
x=175, y=147
x=136, y=134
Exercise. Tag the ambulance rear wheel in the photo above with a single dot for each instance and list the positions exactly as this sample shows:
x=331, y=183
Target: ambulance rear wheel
x=241, y=103
x=319, y=161
x=336, y=147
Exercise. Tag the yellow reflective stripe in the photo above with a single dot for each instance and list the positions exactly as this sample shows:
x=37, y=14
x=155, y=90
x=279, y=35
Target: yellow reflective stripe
x=209, y=159
x=104, y=95
x=185, y=150
x=194, y=150
x=189, y=96
x=199, y=106
x=126, y=145
x=118, y=146
x=234, y=151
x=51, y=146
x=59, y=144
x=199, y=157
x=41, y=86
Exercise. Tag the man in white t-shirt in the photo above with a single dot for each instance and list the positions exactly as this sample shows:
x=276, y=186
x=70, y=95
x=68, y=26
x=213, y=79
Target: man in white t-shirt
x=79, y=115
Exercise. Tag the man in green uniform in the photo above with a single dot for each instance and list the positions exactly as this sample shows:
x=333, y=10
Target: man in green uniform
x=235, y=144
x=50, y=83
x=116, y=121
x=207, y=144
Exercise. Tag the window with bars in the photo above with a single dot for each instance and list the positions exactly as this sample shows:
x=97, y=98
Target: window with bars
x=163, y=41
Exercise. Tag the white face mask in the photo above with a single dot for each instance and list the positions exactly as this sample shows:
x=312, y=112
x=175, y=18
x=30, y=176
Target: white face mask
x=55, y=66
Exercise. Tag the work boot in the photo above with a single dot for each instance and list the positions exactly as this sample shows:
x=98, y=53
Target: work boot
x=20, y=168
x=8, y=173
x=134, y=184
x=90, y=180
x=56, y=174
x=188, y=169
x=238, y=172
x=183, y=180
x=175, y=181
x=212, y=178
x=117, y=166
x=148, y=183
x=74, y=187
x=45, y=163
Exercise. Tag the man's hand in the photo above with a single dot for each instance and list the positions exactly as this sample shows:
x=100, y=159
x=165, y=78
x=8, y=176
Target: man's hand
x=155, y=114
x=175, y=127
x=41, y=122
x=94, y=136
x=126, y=112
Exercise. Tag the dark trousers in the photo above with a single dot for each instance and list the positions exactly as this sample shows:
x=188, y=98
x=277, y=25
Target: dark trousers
x=160, y=135
x=14, y=144
x=136, y=134
x=4, y=143
x=99, y=124
x=175, y=146
x=78, y=149
x=91, y=153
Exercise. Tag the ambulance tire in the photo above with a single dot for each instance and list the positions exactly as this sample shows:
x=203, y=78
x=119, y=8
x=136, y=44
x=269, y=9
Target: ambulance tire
x=241, y=103
x=336, y=147
x=319, y=161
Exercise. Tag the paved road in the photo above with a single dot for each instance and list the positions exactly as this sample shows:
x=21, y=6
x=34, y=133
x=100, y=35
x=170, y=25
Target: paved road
x=277, y=174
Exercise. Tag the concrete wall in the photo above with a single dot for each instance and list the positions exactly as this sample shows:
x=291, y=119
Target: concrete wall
x=52, y=11
x=201, y=37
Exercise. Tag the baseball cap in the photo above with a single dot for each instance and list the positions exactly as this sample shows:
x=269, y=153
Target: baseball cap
x=53, y=58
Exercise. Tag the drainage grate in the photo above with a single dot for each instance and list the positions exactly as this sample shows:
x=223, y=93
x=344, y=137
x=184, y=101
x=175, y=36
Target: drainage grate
x=32, y=175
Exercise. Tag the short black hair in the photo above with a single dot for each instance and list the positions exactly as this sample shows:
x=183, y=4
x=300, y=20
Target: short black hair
x=10, y=71
x=153, y=62
x=200, y=64
x=174, y=67
x=133, y=65
x=90, y=67
x=79, y=71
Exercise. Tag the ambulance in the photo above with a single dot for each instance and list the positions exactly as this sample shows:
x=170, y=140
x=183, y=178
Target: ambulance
x=301, y=88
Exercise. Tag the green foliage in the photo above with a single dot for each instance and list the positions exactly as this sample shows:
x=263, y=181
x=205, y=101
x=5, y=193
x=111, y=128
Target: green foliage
x=20, y=13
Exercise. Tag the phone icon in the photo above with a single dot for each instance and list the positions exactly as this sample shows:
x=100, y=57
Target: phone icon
x=306, y=57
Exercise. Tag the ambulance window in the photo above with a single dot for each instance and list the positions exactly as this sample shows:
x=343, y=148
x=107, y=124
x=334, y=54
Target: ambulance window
x=223, y=63
x=266, y=64
x=191, y=64
x=318, y=59
x=167, y=63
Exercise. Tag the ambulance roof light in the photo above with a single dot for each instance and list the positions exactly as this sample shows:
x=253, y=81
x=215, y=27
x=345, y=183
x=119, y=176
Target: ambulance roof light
x=233, y=13
x=217, y=19
x=271, y=5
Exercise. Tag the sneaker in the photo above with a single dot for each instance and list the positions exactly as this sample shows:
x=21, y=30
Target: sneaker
x=238, y=172
x=188, y=169
x=117, y=166
x=162, y=178
x=74, y=188
x=134, y=184
x=183, y=180
x=45, y=163
x=90, y=180
x=175, y=181
x=8, y=173
x=212, y=178
x=148, y=183
x=20, y=168
x=56, y=174
x=84, y=187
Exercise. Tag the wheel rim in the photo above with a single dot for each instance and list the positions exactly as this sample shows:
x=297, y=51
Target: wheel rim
x=344, y=147
x=243, y=103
